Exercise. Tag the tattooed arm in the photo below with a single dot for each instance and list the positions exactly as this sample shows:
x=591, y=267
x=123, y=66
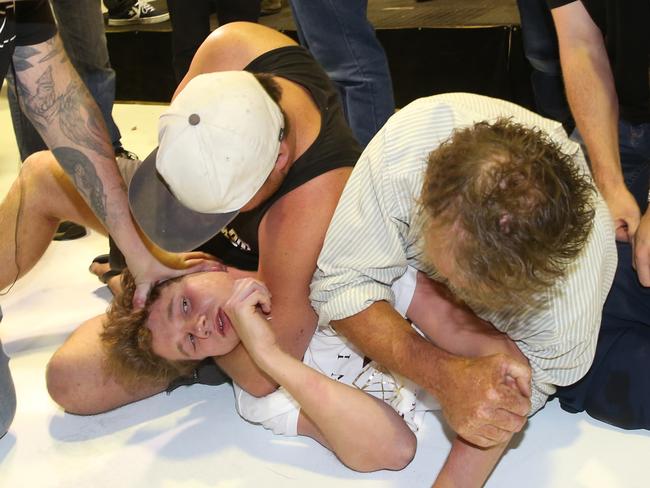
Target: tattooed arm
x=58, y=104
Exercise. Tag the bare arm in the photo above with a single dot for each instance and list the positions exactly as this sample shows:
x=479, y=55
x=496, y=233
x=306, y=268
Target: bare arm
x=594, y=104
x=364, y=432
x=60, y=107
x=455, y=472
x=476, y=395
x=454, y=327
x=290, y=238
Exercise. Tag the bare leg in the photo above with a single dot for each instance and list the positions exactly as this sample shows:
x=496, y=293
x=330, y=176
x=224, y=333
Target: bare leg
x=77, y=381
x=41, y=196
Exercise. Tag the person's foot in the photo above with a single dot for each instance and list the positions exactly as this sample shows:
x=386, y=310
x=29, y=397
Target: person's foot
x=141, y=12
x=269, y=7
x=69, y=231
x=100, y=268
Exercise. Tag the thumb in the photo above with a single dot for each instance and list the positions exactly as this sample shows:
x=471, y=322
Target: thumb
x=140, y=295
x=521, y=374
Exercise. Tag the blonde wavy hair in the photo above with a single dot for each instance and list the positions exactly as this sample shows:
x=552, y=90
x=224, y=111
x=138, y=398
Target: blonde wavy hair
x=127, y=341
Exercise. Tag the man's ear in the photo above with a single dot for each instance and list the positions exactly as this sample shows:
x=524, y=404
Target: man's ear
x=282, y=162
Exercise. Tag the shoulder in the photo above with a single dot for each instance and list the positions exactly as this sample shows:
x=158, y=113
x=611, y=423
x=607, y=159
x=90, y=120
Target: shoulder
x=303, y=215
x=233, y=46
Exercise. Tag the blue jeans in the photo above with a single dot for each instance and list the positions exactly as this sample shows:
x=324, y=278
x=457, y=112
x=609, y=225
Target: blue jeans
x=81, y=27
x=541, y=50
x=340, y=37
x=616, y=389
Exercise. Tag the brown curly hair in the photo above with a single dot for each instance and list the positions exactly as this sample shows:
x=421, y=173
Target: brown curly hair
x=128, y=342
x=520, y=208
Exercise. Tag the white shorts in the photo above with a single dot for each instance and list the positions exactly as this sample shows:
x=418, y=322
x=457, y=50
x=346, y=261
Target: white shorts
x=332, y=355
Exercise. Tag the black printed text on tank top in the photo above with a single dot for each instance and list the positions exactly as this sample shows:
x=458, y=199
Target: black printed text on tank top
x=231, y=235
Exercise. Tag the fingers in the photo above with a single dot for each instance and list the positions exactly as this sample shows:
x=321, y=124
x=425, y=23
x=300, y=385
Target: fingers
x=140, y=295
x=513, y=401
x=198, y=255
x=489, y=436
x=642, y=265
x=197, y=265
x=492, y=426
x=249, y=292
x=508, y=422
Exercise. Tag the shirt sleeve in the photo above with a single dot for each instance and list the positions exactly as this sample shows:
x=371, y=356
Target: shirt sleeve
x=558, y=3
x=562, y=354
x=363, y=253
x=34, y=22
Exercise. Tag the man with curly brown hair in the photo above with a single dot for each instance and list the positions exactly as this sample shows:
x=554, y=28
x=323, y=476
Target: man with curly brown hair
x=497, y=203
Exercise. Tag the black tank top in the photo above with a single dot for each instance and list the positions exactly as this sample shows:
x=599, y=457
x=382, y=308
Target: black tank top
x=334, y=147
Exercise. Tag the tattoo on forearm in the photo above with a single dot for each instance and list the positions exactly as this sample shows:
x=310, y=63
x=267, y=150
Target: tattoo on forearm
x=21, y=58
x=78, y=126
x=85, y=178
x=42, y=104
x=55, y=49
x=50, y=105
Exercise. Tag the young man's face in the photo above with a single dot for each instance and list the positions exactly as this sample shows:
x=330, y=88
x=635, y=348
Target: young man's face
x=187, y=321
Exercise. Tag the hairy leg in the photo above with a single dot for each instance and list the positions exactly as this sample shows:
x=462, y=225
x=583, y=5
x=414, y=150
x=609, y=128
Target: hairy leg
x=41, y=196
x=77, y=381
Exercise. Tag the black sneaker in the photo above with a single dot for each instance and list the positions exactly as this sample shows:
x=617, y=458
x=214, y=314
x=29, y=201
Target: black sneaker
x=69, y=231
x=122, y=153
x=142, y=12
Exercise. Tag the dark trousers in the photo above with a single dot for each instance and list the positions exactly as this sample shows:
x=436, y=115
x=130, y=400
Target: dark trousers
x=616, y=389
x=191, y=25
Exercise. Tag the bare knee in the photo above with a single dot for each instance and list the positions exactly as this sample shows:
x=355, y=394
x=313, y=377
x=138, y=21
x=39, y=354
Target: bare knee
x=40, y=166
x=41, y=177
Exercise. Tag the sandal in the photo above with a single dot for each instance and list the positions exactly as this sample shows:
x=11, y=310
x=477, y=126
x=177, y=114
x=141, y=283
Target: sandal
x=104, y=277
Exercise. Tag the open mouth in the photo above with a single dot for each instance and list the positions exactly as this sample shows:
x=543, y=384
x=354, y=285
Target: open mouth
x=221, y=322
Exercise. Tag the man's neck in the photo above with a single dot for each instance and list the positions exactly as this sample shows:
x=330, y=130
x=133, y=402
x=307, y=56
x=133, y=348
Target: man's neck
x=303, y=116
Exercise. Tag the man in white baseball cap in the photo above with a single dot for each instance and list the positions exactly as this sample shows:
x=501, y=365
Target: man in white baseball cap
x=253, y=155
x=219, y=142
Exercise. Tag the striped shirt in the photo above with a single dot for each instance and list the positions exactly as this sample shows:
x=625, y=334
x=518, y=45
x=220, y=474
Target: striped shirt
x=376, y=232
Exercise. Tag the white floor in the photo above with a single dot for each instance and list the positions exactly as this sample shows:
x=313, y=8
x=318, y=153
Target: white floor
x=194, y=438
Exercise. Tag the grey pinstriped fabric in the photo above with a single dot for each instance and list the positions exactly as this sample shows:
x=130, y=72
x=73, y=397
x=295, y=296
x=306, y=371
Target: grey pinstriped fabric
x=376, y=232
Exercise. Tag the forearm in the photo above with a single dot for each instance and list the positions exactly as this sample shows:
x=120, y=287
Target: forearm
x=383, y=335
x=590, y=90
x=364, y=432
x=59, y=105
x=293, y=331
x=468, y=466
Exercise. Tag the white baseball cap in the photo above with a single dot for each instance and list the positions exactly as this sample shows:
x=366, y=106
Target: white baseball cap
x=218, y=143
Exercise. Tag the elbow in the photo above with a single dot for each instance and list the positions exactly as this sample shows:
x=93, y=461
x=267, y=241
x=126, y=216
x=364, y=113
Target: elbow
x=61, y=390
x=393, y=455
x=258, y=387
